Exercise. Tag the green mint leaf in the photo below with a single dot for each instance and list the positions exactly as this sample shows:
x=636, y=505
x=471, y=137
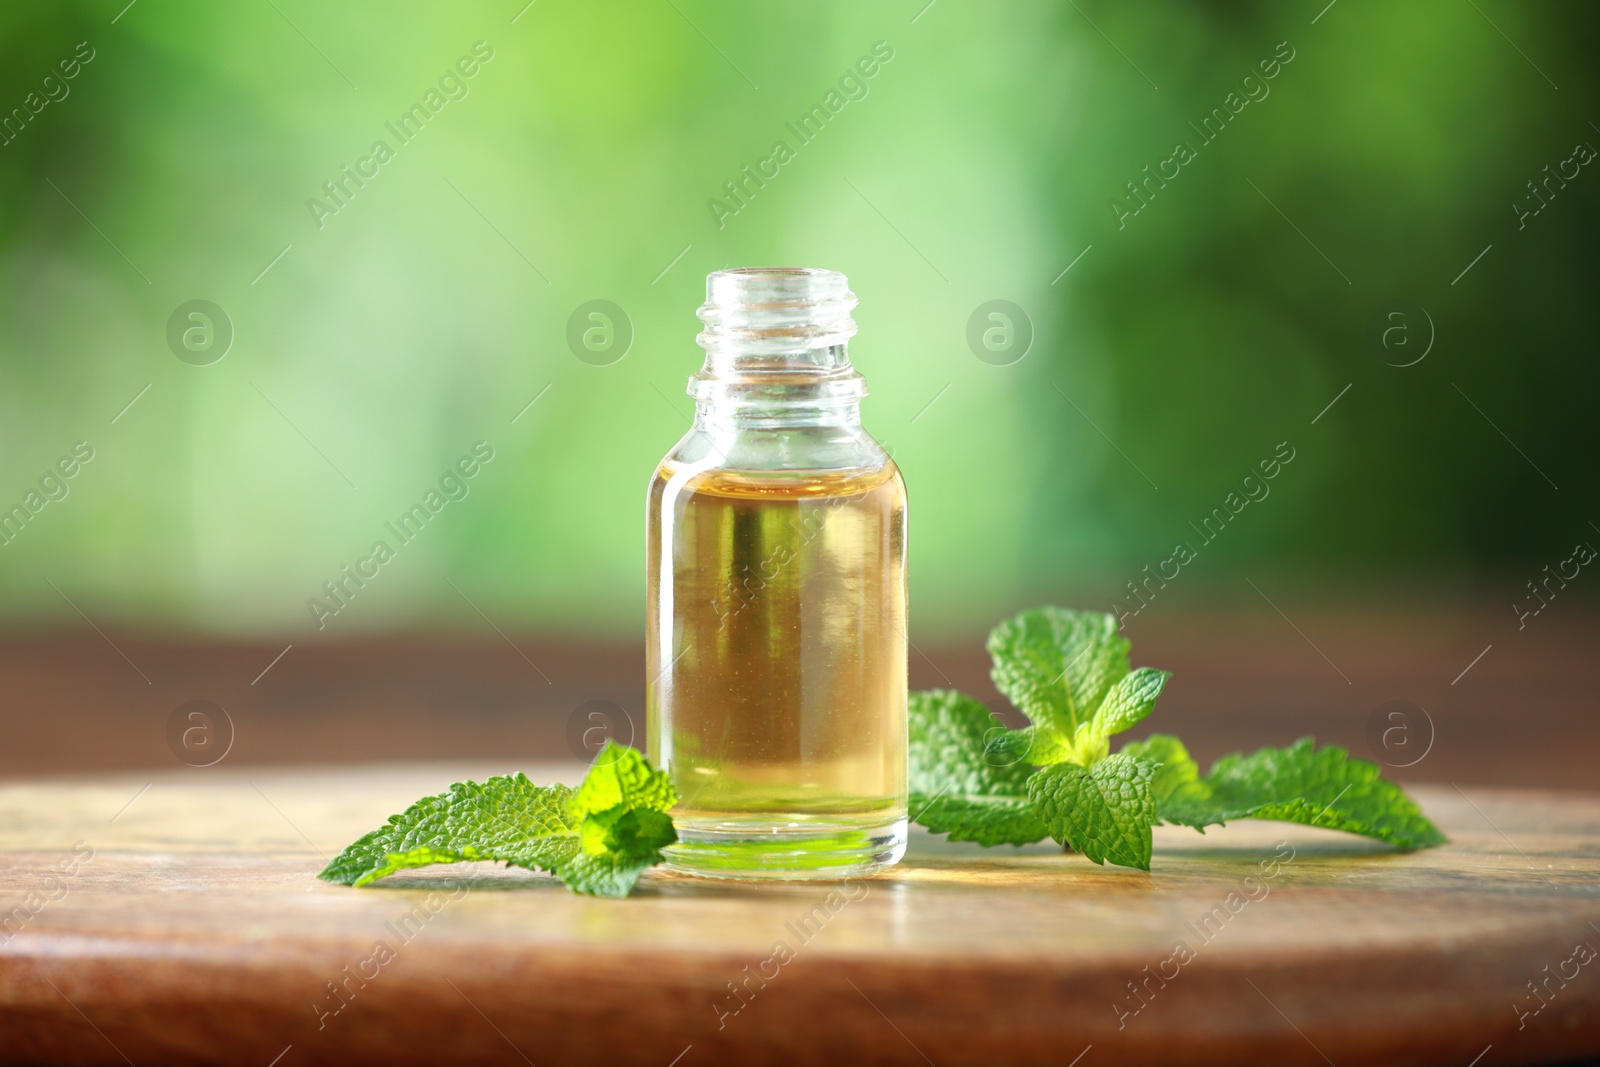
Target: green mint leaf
x=949, y=741
x=617, y=847
x=1037, y=745
x=622, y=804
x=1104, y=811
x=505, y=818
x=597, y=839
x=1180, y=796
x=1129, y=701
x=622, y=775
x=985, y=820
x=967, y=776
x=1300, y=783
x=1057, y=665
x=604, y=874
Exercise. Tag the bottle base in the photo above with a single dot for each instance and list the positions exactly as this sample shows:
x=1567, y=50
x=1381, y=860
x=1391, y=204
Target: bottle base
x=784, y=851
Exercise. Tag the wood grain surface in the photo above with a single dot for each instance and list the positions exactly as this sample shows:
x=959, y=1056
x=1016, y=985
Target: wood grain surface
x=175, y=918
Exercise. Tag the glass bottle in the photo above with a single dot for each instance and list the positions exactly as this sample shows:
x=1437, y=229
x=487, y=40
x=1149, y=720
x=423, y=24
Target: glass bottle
x=777, y=596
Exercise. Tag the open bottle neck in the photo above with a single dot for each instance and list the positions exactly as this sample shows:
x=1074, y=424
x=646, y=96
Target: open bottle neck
x=776, y=350
x=817, y=388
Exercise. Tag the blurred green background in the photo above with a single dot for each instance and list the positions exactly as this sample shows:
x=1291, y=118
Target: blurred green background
x=375, y=346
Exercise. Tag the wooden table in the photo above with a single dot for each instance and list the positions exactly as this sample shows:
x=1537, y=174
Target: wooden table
x=1507, y=707
x=196, y=933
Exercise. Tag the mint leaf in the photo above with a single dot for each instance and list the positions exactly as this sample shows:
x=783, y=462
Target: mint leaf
x=598, y=838
x=1317, y=787
x=604, y=874
x=964, y=780
x=1038, y=745
x=1104, y=811
x=985, y=820
x=505, y=818
x=1057, y=665
x=622, y=804
x=1180, y=796
x=621, y=775
x=948, y=737
x=1129, y=701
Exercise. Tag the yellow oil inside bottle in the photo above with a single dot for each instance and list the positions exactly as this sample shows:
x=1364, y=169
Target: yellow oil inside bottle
x=777, y=659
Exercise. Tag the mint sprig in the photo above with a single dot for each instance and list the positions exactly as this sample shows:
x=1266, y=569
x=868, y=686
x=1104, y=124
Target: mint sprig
x=598, y=838
x=1300, y=783
x=1068, y=671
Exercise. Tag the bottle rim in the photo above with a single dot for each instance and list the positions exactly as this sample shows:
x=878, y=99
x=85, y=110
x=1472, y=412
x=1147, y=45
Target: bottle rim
x=767, y=311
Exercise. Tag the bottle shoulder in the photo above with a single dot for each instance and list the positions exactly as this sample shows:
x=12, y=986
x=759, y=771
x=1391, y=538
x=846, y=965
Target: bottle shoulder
x=786, y=484
x=837, y=451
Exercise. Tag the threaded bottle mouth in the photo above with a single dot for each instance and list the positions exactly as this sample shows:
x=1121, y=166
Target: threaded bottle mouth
x=775, y=311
